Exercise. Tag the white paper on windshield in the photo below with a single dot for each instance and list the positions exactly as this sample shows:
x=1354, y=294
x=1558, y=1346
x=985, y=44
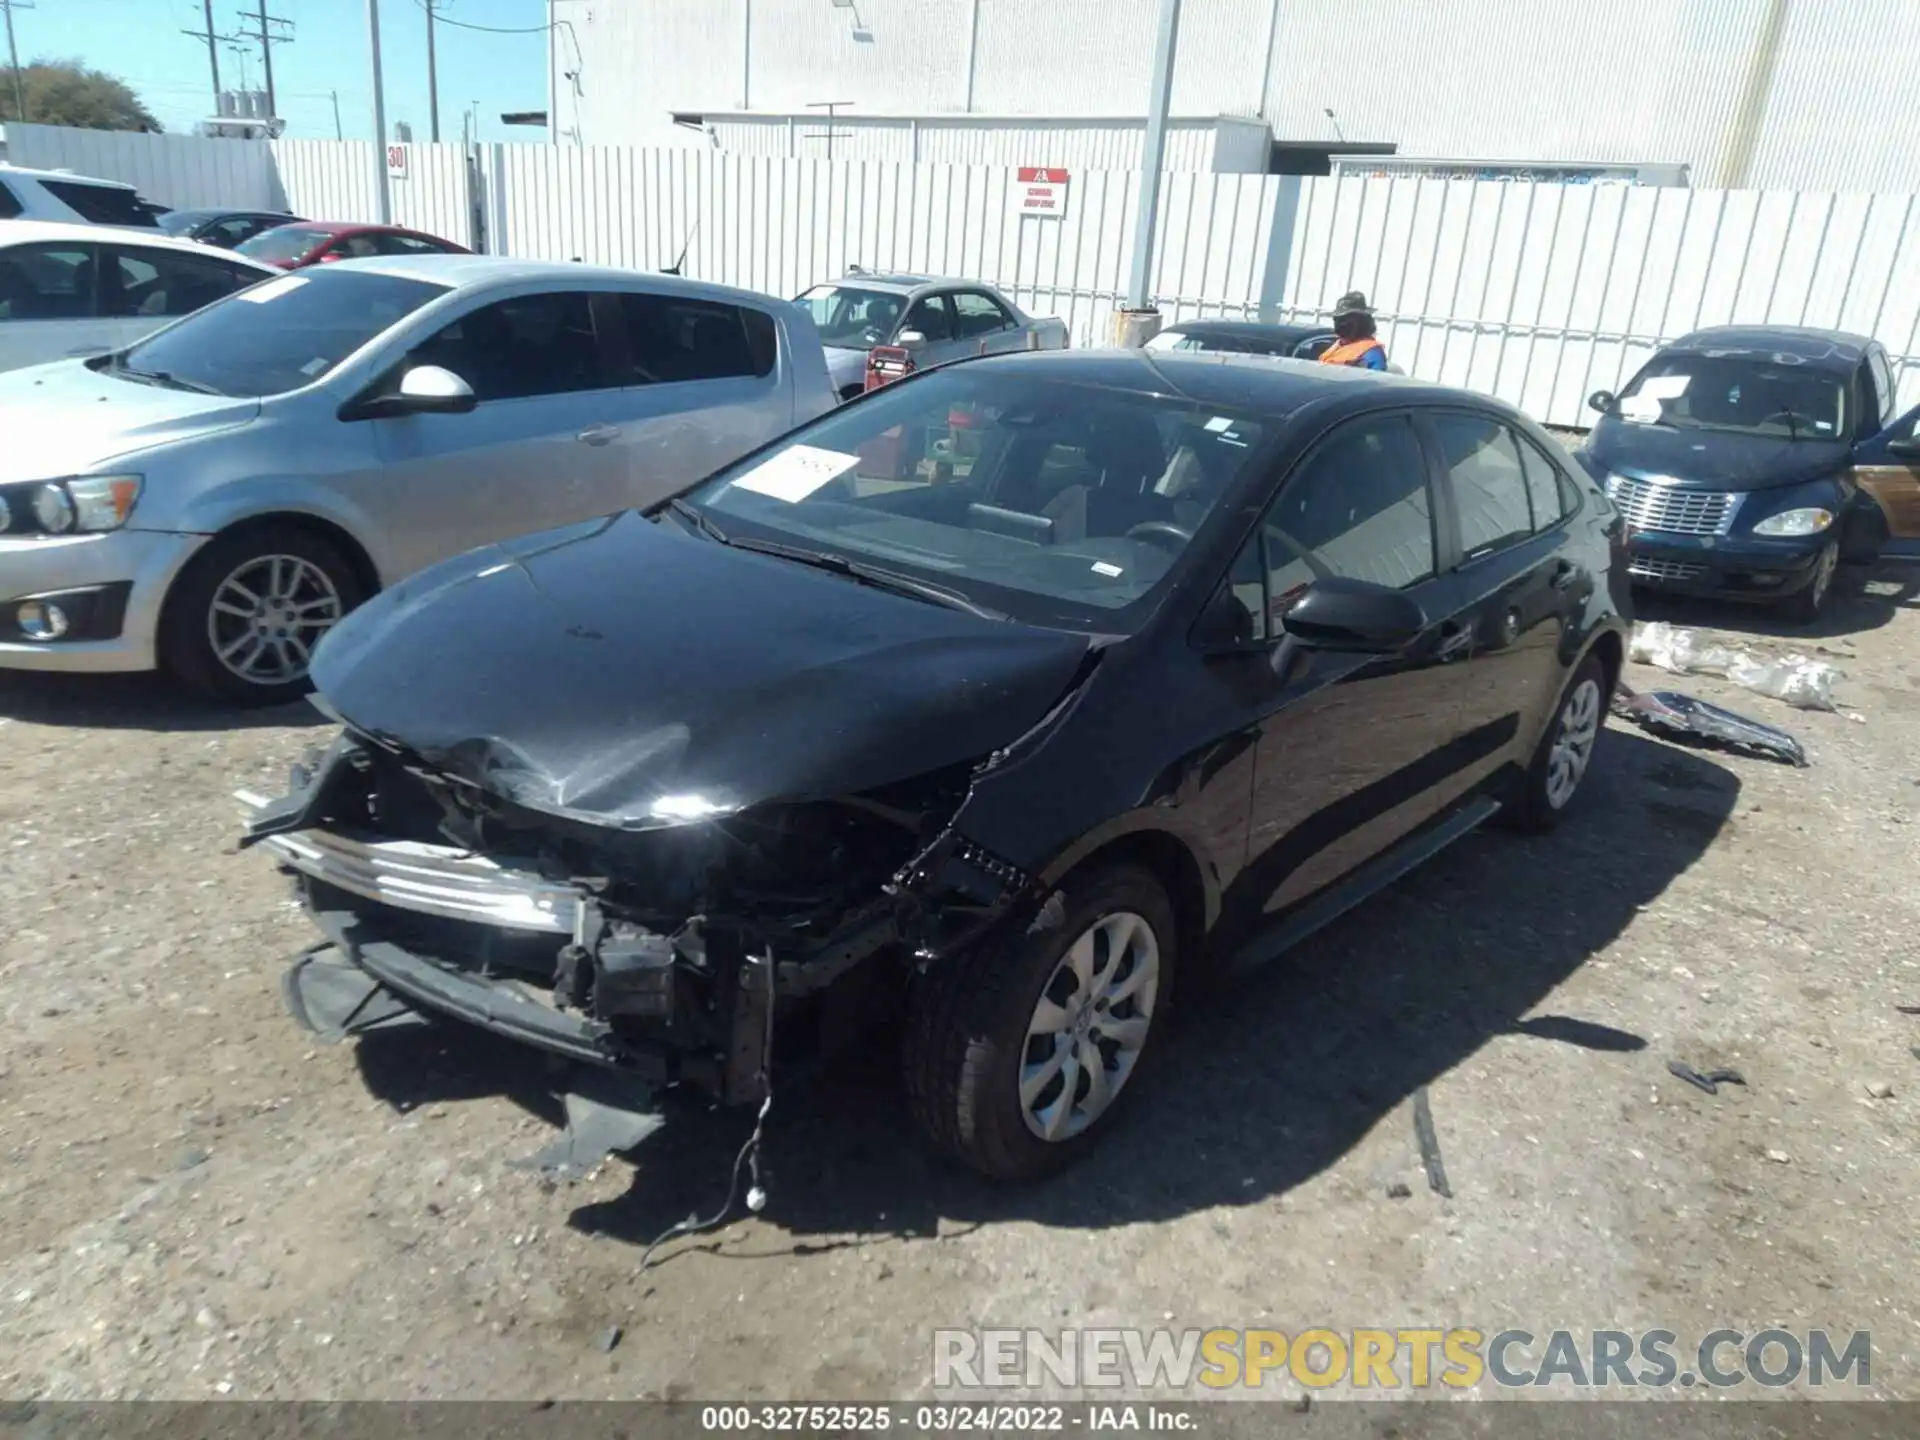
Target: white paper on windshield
x=273, y=289
x=1219, y=423
x=1664, y=387
x=1101, y=567
x=796, y=472
x=1640, y=408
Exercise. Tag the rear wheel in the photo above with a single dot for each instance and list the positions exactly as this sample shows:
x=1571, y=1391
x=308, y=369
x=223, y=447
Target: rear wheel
x=244, y=617
x=1017, y=1056
x=1565, y=751
x=1806, y=606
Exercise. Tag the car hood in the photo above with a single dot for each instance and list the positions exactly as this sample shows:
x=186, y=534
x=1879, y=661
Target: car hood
x=629, y=674
x=66, y=419
x=1709, y=459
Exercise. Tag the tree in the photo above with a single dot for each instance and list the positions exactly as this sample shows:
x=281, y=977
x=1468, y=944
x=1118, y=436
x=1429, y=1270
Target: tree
x=65, y=92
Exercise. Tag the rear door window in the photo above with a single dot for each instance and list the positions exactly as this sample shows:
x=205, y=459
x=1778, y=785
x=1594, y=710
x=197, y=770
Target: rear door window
x=49, y=282
x=10, y=206
x=1548, y=489
x=1490, y=490
x=1884, y=383
x=527, y=346
x=671, y=338
x=102, y=204
x=979, y=314
x=932, y=316
x=163, y=283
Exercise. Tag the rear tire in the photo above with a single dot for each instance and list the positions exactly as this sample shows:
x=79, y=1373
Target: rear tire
x=1807, y=605
x=1042, y=1008
x=241, y=621
x=1565, y=752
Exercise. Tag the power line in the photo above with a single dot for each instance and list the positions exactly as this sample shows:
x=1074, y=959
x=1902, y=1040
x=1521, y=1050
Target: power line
x=266, y=39
x=489, y=29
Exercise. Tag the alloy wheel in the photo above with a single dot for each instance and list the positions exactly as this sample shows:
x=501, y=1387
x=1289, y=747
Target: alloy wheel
x=267, y=616
x=1089, y=1026
x=1573, y=742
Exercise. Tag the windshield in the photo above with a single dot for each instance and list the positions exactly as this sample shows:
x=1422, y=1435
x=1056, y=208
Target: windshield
x=1052, y=502
x=1745, y=394
x=278, y=336
x=178, y=222
x=855, y=319
x=283, y=242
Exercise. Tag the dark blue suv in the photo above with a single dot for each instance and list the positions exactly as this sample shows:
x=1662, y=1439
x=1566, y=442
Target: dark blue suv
x=1750, y=461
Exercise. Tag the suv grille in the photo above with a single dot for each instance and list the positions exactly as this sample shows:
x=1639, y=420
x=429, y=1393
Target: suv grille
x=1645, y=567
x=1675, y=511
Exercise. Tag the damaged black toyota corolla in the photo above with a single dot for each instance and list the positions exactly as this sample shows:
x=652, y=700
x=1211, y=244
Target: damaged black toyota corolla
x=984, y=704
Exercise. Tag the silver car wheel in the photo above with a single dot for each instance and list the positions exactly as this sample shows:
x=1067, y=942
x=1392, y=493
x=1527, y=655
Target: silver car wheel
x=267, y=616
x=1573, y=742
x=1089, y=1026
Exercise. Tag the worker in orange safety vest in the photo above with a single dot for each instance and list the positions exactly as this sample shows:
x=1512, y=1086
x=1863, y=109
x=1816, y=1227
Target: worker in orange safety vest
x=1356, y=345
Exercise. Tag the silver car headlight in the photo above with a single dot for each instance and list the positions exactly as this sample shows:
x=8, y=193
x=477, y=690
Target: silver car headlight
x=1810, y=520
x=81, y=504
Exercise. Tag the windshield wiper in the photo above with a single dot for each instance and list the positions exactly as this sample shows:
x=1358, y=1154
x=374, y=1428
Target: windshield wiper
x=874, y=575
x=163, y=377
x=698, y=519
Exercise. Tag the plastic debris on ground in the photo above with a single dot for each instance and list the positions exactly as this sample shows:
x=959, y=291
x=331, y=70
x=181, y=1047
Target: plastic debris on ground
x=1801, y=681
x=1683, y=717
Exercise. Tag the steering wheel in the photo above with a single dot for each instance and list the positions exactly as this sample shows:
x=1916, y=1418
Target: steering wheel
x=1162, y=532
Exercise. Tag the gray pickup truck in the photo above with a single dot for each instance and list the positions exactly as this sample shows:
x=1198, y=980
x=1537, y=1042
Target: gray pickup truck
x=937, y=320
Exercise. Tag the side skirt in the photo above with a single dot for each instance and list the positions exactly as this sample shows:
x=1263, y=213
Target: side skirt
x=1378, y=873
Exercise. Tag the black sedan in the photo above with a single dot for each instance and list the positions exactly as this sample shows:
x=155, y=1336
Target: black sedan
x=224, y=229
x=1245, y=337
x=989, y=703
x=1750, y=461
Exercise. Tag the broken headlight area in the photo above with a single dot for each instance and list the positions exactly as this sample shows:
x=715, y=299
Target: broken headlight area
x=647, y=951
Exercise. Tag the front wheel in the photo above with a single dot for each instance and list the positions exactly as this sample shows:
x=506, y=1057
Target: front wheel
x=1565, y=751
x=1017, y=1055
x=242, y=621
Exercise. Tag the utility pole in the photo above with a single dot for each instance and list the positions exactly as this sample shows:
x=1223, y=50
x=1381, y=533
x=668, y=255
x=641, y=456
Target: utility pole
x=433, y=77
x=1153, y=153
x=382, y=189
x=338, y=133
x=13, y=58
x=264, y=36
x=213, y=40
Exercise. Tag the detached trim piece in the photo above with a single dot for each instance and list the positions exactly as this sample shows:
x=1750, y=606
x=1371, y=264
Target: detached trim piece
x=430, y=879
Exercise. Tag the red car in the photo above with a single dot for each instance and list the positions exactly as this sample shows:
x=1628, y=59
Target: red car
x=315, y=242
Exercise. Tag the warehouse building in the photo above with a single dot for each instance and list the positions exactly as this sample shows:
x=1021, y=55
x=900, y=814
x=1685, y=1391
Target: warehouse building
x=1777, y=94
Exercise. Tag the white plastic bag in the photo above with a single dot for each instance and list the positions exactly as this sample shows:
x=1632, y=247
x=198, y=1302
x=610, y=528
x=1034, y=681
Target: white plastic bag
x=1804, y=683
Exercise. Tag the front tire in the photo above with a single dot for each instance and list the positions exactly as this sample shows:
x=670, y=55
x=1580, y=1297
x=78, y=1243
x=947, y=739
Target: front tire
x=242, y=620
x=1561, y=760
x=1018, y=1056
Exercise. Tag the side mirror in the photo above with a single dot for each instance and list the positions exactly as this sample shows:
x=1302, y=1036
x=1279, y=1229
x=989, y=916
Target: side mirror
x=1904, y=435
x=1337, y=614
x=911, y=339
x=1601, y=400
x=423, y=390
x=1225, y=624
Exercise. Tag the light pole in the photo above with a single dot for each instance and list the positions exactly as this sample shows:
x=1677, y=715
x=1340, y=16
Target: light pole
x=379, y=117
x=1153, y=152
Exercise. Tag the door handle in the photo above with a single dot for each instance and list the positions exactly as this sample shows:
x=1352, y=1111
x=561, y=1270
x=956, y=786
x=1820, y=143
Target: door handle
x=598, y=435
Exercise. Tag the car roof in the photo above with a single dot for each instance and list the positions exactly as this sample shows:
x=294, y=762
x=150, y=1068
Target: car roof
x=31, y=232
x=488, y=271
x=897, y=282
x=1246, y=329
x=211, y=212
x=1834, y=349
x=27, y=172
x=1268, y=383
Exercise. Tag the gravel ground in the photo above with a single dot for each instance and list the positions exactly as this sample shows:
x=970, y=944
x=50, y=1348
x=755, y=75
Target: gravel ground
x=200, y=1202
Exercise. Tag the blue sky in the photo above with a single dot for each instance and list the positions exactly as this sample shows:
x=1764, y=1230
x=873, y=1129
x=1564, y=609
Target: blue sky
x=140, y=41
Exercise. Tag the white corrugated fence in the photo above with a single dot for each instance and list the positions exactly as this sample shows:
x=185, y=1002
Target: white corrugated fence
x=1538, y=293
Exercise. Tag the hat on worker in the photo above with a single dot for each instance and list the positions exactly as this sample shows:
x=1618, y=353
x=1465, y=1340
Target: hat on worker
x=1354, y=302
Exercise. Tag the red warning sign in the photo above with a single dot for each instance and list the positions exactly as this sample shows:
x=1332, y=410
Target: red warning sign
x=1039, y=190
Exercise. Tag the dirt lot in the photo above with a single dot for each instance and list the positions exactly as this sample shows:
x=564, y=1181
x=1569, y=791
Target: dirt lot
x=200, y=1202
